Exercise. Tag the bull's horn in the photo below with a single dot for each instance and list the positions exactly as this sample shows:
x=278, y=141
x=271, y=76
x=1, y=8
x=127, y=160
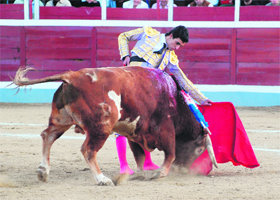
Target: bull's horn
x=210, y=150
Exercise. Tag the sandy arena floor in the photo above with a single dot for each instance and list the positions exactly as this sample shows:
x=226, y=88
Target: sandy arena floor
x=20, y=155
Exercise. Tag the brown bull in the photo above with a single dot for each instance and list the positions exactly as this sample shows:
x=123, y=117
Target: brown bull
x=142, y=104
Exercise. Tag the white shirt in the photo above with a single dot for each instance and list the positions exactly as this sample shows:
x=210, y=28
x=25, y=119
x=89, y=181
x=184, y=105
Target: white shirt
x=213, y=2
x=154, y=6
x=60, y=3
x=129, y=4
x=161, y=43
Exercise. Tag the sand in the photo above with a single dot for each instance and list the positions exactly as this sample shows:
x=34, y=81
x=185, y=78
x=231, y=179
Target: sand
x=70, y=178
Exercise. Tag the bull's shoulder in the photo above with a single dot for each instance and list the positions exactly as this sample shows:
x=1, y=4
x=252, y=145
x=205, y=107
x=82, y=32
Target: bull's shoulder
x=161, y=79
x=154, y=74
x=170, y=82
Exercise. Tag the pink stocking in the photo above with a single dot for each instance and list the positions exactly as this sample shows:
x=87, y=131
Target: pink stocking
x=121, y=149
x=148, y=164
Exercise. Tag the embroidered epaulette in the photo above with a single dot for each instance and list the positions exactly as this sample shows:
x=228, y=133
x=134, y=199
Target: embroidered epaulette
x=173, y=58
x=149, y=31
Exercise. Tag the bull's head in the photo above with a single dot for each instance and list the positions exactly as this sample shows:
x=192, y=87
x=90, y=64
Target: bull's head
x=189, y=149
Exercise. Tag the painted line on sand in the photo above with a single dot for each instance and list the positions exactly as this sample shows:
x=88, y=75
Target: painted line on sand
x=20, y=124
x=45, y=125
x=81, y=137
x=268, y=150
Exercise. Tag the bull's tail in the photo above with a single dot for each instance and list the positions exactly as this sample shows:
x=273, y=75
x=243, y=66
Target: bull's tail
x=21, y=80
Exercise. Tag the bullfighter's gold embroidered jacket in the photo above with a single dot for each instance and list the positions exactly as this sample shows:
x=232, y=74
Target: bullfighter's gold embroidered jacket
x=150, y=41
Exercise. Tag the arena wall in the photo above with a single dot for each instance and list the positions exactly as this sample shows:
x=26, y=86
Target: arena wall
x=212, y=56
x=227, y=59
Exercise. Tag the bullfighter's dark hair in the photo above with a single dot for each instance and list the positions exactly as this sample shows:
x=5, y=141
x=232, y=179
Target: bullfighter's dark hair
x=180, y=32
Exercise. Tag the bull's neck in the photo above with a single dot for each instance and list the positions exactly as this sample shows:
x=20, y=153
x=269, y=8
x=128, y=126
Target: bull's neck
x=187, y=123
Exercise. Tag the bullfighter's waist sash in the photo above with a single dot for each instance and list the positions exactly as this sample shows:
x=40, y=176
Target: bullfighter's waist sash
x=136, y=59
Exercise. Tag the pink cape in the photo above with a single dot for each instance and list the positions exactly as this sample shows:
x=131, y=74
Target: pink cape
x=229, y=139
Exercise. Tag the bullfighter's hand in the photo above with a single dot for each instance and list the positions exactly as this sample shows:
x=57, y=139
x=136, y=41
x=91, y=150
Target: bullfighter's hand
x=126, y=61
x=207, y=102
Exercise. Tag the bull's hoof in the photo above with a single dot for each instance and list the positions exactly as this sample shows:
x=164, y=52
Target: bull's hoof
x=121, y=178
x=139, y=175
x=147, y=175
x=42, y=174
x=157, y=175
x=105, y=182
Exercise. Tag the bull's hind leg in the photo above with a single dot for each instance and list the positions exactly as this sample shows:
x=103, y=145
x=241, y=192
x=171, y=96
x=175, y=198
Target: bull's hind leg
x=89, y=149
x=59, y=122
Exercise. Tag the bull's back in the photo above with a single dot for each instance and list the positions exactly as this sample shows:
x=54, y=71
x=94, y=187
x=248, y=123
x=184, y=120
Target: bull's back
x=138, y=90
x=130, y=80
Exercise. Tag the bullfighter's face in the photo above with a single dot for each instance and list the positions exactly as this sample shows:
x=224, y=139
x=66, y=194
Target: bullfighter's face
x=174, y=43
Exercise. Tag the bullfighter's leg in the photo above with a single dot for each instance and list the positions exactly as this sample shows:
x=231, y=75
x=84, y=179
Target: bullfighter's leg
x=139, y=155
x=89, y=150
x=124, y=167
x=121, y=149
x=148, y=163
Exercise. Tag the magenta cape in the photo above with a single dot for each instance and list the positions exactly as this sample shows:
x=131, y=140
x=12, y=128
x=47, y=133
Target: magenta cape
x=229, y=139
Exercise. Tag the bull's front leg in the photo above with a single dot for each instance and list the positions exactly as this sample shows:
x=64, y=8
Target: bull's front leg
x=167, y=136
x=164, y=170
x=89, y=150
x=138, y=153
x=139, y=156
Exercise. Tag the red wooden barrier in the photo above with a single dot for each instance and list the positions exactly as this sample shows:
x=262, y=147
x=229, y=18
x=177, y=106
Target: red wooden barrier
x=136, y=14
x=70, y=13
x=260, y=13
x=212, y=56
x=9, y=51
x=258, y=56
x=203, y=14
x=247, y=13
x=11, y=11
x=60, y=48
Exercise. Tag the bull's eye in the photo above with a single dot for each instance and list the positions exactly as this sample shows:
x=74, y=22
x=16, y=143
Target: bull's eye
x=199, y=150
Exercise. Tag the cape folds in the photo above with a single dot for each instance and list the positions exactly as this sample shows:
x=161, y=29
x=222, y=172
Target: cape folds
x=229, y=139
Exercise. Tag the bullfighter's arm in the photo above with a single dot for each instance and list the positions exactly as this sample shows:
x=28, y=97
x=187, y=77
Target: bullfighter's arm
x=125, y=37
x=173, y=68
x=134, y=35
